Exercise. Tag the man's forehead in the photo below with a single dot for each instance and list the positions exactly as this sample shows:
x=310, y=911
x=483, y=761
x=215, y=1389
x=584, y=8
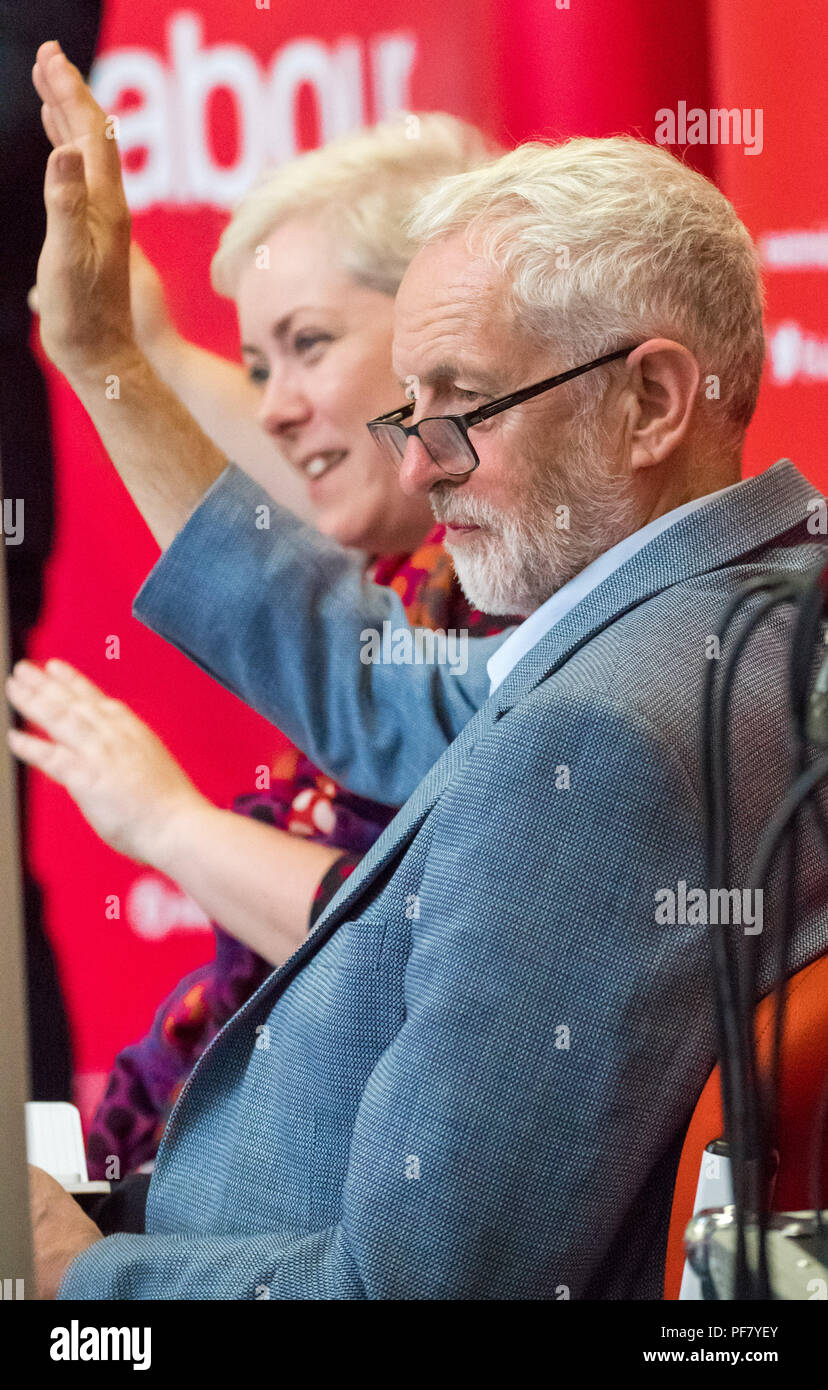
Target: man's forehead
x=447, y=271
x=449, y=303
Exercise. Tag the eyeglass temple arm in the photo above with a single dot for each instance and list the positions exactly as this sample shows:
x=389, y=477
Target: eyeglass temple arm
x=528, y=392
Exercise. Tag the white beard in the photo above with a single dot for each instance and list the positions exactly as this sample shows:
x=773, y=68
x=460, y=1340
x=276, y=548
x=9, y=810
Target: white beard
x=519, y=560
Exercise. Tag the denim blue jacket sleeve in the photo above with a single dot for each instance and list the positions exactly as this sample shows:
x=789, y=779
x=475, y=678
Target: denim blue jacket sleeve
x=283, y=617
x=519, y=1108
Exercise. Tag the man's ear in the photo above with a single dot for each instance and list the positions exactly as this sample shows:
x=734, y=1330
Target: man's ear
x=663, y=390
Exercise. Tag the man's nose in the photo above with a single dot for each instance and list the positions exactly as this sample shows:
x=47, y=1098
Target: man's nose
x=418, y=471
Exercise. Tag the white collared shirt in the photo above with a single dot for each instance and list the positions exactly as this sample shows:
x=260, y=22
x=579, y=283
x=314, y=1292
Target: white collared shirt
x=536, y=626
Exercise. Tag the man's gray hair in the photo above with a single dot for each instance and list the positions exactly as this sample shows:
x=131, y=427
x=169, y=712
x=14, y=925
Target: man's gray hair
x=608, y=241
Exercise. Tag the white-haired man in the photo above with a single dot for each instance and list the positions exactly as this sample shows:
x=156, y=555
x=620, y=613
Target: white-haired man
x=473, y=1079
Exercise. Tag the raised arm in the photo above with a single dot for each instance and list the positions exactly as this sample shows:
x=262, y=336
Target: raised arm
x=165, y=460
x=217, y=392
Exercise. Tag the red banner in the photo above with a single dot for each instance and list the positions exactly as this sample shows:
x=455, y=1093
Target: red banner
x=772, y=59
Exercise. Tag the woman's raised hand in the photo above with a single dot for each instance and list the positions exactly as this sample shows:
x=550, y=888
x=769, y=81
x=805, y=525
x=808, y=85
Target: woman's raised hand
x=130, y=789
x=83, y=272
x=150, y=314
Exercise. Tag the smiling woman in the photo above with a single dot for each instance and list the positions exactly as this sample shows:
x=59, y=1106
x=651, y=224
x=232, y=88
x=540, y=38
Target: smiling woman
x=318, y=347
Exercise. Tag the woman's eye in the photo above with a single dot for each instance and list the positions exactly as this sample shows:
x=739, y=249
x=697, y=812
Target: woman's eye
x=305, y=342
x=258, y=375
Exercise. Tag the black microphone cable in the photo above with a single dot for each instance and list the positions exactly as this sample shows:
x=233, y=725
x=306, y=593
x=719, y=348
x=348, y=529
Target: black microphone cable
x=752, y=1126
x=817, y=1162
x=806, y=786
x=742, y=1121
x=717, y=852
x=805, y=636
x=811, y=719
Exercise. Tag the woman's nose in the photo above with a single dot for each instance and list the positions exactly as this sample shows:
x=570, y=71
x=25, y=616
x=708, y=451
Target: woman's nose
x=284, y=406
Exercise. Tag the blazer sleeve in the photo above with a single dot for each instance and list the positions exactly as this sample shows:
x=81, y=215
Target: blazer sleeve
x=555, y=1038
x=282, y=616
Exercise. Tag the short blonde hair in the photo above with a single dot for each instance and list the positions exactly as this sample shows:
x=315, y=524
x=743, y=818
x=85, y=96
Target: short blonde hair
x=363, y=186
x=608, y=241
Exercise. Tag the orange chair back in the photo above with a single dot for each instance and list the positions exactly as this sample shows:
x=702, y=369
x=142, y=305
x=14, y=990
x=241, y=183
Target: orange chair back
x=804, y=1069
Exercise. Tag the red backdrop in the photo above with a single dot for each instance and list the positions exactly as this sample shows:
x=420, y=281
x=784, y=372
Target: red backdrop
x=206, y=98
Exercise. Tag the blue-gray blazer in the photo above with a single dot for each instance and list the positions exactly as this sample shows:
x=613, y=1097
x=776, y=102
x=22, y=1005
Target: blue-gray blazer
x=473, y=1079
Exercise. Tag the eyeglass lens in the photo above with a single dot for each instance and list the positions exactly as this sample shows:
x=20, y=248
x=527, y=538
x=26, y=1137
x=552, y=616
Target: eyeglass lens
x=443, y=439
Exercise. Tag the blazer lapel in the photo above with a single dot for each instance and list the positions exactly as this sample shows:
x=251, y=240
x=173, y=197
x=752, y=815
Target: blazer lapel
x=392, y=842
x=406, y=823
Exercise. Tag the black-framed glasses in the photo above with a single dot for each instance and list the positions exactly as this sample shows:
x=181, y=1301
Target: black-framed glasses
x=446, y=437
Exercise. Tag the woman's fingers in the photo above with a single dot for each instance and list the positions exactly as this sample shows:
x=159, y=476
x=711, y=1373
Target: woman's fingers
x=105, y=712
x=55, y=88
x=83, y=271
x=50, y=126
x=57, y=762
x=78, y=117
x=45, y=701
x=71, y=678
x=44, y=90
